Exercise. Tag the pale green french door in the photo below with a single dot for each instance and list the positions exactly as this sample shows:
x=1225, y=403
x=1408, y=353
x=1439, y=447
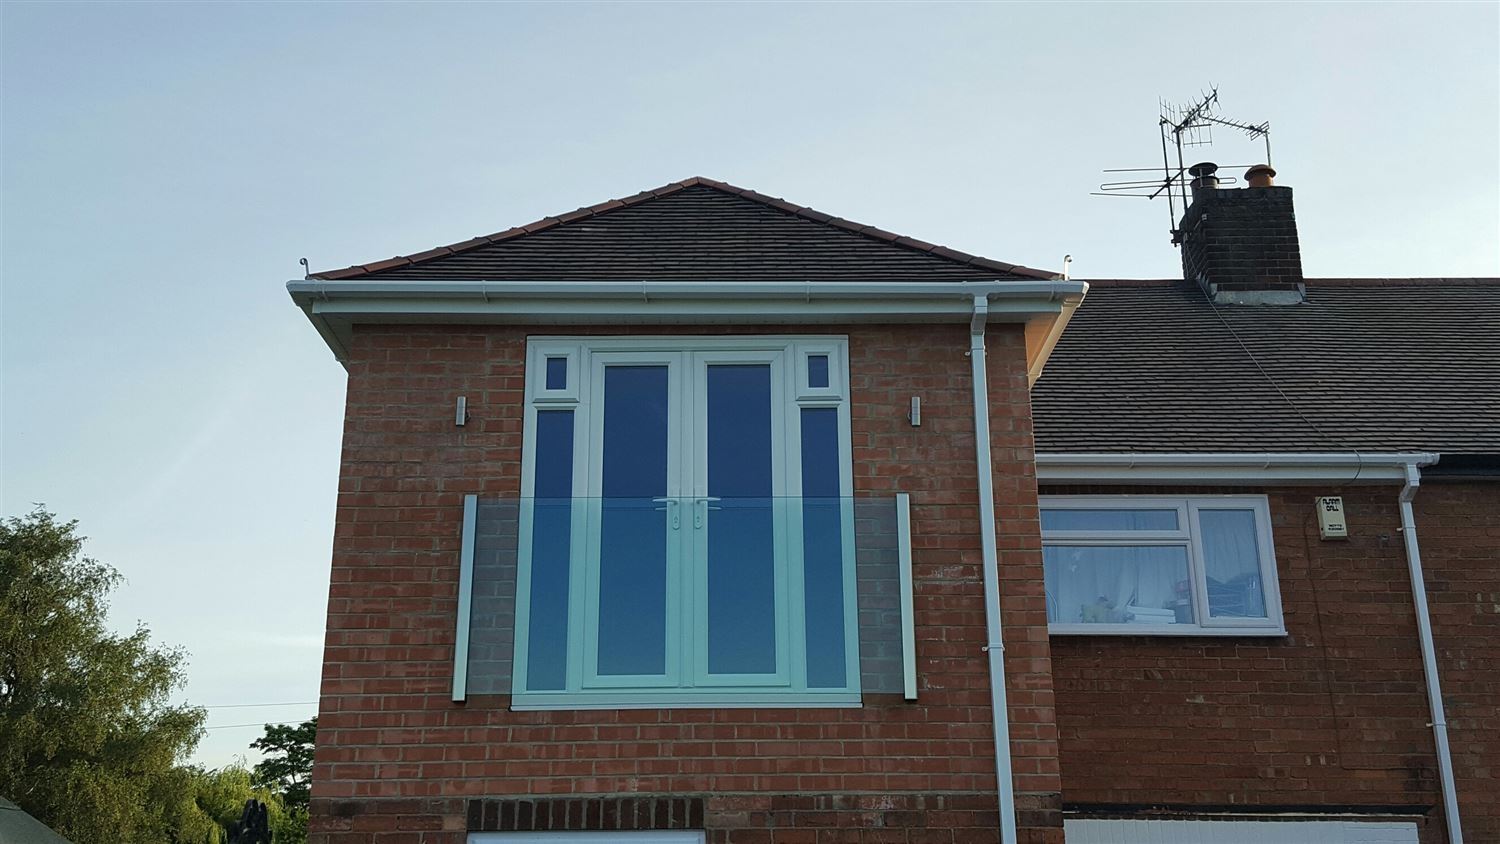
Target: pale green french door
x=740, y=470
x=687, y=483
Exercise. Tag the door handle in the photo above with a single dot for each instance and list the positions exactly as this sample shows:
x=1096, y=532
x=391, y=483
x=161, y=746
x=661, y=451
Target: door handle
x=674, y=516
x=700, y=515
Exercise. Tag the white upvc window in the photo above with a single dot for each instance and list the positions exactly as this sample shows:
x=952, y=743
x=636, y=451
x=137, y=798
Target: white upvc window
x=1134, y=565
x=1279, y=831
x=686, y=525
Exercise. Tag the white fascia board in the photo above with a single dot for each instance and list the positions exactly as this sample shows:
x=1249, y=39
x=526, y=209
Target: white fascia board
x=1238, y=468
x=335, y=306
x=464, y=289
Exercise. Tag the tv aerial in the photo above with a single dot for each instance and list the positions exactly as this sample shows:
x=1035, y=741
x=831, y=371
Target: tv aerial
x=1183, y=126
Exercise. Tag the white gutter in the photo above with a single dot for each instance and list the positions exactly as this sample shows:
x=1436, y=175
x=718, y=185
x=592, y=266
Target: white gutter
x=461, y=289
x=334, y=306
x=1429, y=652
x=1232, y=467
x=991, y=567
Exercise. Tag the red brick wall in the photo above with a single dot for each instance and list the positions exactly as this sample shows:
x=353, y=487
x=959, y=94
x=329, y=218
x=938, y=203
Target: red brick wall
x=1334, y=714
x=1458, y=526
x=398, y=762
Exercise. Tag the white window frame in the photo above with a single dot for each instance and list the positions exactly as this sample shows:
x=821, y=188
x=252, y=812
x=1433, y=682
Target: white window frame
x=1189, y=536
x=1280, y=831
x=686, y=665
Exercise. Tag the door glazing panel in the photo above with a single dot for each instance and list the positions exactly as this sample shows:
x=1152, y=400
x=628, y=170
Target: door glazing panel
x=635, y=552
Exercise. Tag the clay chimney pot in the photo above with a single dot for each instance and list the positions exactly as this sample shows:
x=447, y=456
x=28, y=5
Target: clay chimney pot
x=1261, y=176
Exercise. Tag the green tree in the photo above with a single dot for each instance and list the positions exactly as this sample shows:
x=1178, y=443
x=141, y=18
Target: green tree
x=287, y=768
x=89, y=742
x=212, y=801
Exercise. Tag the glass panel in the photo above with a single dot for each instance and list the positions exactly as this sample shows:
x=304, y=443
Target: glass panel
x=817, y=371
x=1231, y=559
x=551, y=548
x=741, y=534
x=492, y=613
x=557, y=373
x=1118, y=584
x=877, y=573
x=633, y=527
x=1109, y=519
x=873, y=544
x=823, y=548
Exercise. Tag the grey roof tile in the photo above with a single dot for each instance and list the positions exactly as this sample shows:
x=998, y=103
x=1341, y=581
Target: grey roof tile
x=698, y=230
x=1363, y=364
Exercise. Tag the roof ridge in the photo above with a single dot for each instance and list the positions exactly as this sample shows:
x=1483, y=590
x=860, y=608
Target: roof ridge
x=611, y=205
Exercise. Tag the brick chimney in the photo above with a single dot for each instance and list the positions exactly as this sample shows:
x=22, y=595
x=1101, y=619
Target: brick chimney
x=1240, y=245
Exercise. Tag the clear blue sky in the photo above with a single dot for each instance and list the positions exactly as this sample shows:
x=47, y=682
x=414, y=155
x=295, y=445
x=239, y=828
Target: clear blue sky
x=166, y=165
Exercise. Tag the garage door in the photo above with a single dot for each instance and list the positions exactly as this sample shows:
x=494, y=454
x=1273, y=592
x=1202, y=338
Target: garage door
x=1238, y=832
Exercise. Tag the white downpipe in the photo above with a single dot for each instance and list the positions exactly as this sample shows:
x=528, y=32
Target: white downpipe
x=1429, y=655
x=991, y=565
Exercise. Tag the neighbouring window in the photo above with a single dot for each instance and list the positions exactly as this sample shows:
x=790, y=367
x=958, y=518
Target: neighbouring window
x=686, y=524
x=1277, y=831
x=1135, y=565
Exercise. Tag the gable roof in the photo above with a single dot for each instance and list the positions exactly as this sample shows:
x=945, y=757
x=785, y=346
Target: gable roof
x=694, y=230
x=1363, y=364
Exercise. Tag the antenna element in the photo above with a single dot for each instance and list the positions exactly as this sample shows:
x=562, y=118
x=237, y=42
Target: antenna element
x=1183, y=126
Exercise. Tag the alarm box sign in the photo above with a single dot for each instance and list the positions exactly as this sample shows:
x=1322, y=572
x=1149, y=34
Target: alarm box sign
x=1331, y=517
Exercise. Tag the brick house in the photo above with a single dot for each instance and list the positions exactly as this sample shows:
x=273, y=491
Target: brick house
x=664, y=517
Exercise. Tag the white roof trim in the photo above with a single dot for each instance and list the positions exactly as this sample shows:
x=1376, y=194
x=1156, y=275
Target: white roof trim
x=335, y=306
x=1239, y=468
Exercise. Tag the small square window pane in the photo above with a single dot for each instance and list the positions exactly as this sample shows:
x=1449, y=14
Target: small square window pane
x=1118, y=584
x=817, y=371
x=1112, y=519
x=557, y=373
x=1231, y=559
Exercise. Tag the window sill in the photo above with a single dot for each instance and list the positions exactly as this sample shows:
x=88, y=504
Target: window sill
x=1148, y=630
x=532, y=702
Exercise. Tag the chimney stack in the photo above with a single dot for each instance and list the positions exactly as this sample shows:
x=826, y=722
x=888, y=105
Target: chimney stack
x=1240, y=245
